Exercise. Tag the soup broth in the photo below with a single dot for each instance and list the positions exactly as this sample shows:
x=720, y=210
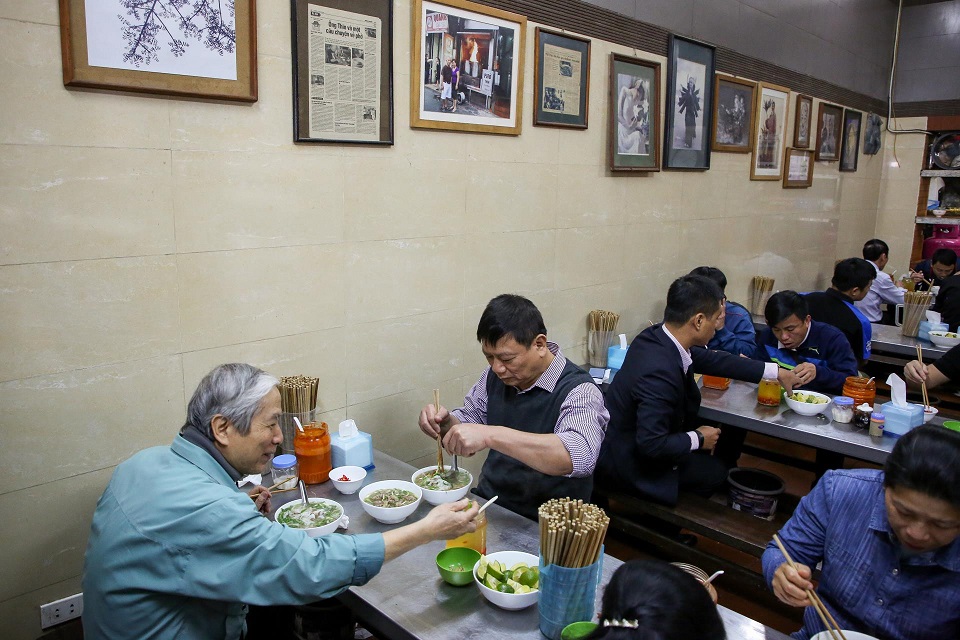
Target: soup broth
x=313, y=514
x=391, y=498
x=441, y=481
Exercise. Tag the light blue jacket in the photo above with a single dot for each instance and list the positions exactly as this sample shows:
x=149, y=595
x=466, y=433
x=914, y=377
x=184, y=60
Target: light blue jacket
x=177, y=551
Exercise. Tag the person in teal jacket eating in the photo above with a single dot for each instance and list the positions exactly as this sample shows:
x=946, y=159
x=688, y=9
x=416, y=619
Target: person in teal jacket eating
x=176, y=550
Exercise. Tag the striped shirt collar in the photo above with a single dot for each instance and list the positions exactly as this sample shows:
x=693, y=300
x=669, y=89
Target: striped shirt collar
x=686, y=358
x=548, y=379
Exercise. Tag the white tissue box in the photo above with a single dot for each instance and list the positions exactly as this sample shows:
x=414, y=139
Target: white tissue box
x=899, y=420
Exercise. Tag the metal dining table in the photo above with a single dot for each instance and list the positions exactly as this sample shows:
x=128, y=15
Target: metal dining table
x=737, y=406
x=407, y=600
x=887, y=339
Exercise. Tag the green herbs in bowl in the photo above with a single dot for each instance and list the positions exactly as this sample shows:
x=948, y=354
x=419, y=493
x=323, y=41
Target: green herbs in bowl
x=319, y=517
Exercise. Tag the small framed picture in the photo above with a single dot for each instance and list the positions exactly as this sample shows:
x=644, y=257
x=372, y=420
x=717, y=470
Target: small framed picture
x=634, y=141
x=561, y=87
x=734, y=106
x=773, y=107
x=798, y=173
x=829, y=125
x=850, y=149
x=686, y=136
x=801, y=127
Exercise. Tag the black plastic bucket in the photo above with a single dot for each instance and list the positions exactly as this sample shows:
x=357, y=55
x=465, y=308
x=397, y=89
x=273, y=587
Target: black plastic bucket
x=754, y=491
x=323, y=620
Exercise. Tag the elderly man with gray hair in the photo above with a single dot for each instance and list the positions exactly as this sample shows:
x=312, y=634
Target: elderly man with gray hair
x=176, y=550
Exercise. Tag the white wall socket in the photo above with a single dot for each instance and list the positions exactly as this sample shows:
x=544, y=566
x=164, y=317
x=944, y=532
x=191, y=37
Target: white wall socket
x=59, y=611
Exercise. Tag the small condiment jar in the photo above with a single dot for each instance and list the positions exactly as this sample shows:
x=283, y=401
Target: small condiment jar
x=312, y=446
x=842, y=409
x=286, y=470
x=862, y=390
x=861, y=416
x=876, y=424
x=768, y=392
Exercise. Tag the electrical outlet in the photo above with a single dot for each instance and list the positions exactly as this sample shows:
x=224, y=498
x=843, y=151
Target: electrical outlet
x=59, y=611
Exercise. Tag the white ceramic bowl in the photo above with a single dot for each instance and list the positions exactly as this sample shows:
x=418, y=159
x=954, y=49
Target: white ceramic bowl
x=316, y=532
x=805, y=408
x=439, y=497
x=938, y=212
x=928, y=413
x=509, y=601
x=346, y=487
x=390, y=515
x=941, y=339
x=849, y=635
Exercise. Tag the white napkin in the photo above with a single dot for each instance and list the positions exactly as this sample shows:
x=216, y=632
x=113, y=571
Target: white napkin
x=898, y=390
x=254, y=480
x=933, y=316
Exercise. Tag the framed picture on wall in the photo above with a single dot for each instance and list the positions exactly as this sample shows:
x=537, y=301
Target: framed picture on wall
x=733, y=112
x=850, y=149
x=153, y=48
x=343, y=71
x=829, y=126
x=634, y=139
x=801, y=125
x=798, y=169
x=467, y=67
x=561, y=80
x=686, y=136
x=773, y=105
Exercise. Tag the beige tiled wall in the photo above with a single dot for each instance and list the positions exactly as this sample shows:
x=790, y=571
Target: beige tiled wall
x=144, y=240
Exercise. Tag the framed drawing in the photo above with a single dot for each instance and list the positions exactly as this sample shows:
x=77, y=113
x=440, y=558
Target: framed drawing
x=733, y=112
x=798, y=172
x=871, y=135
x=801, y=125
x=467, y=70
x=154, y=47
x=850, y=149
x=773, y=106
x=342, y=71
x=829, y=125
x=634, y=143
x=561, y=80
x=686, y=136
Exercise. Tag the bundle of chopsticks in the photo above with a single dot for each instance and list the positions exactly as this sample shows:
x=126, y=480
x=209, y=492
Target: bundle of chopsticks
x=762, y=286
x=298, y=394
x=923, y=385
x=571, y=532
x=915, y=305
x=825, y=616
x=603, y=326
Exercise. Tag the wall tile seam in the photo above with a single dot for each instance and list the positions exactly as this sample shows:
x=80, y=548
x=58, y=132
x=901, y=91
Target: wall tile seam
x=68, y=579
x=70, y=477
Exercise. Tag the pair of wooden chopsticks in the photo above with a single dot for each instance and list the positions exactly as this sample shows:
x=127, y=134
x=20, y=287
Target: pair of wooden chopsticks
x=436, y=405
x=923, y=385
x=256, y=495
x=815, y=600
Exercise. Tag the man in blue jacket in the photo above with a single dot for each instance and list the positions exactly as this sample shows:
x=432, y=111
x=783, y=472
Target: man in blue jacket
x=735, y=331
x=176, y=550
x=818, y=353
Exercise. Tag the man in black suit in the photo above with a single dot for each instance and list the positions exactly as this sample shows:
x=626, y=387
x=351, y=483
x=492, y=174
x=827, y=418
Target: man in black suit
x=655, y=445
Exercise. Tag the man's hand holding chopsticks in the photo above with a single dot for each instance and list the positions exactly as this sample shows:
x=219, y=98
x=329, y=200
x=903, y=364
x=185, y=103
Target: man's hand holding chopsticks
x=790, y=586
x=261, y=498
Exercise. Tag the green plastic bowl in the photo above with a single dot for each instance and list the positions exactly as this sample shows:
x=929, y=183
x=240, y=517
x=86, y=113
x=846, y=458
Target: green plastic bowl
x=465, y=557
x=577, y=630
x=953, y=425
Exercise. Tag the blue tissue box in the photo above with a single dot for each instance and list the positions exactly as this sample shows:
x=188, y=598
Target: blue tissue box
x=615, y=356
x=899, y=420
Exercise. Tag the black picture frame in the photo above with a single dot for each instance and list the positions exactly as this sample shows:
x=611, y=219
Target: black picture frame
x=850, y=148
x=303, y=81
x=548, y=100
x=633, y=143
x=686, y=144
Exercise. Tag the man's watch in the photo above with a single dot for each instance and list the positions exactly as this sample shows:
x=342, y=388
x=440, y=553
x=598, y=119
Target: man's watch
x=699, y=438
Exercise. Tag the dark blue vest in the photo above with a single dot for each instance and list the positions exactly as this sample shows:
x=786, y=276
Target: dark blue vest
x=522, y=489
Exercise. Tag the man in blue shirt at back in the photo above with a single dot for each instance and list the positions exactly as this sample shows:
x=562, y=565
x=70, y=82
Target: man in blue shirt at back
x=735, y=331
x=889, y=542
x=818, y=353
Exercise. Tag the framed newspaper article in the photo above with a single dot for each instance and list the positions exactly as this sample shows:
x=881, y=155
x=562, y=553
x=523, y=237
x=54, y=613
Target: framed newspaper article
x=343, y=71
x=154, y=47
x=561, y=80
x=466, y=69
x=798, y=169
x=634, y=139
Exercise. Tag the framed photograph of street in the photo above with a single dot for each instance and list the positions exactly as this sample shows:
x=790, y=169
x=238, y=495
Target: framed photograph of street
x=733, y=112
x=798, y=169
x=686, y=136
x=634, y=138
x=773, y=107
x=467, y=67
x=829, y=127
x=343, y=71
x=802, y=121
x=156, y=47
x=561, y=80
x=850, y=149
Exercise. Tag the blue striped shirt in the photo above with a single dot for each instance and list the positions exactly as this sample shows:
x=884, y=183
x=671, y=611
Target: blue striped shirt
x=866, y=581
x=583, y=416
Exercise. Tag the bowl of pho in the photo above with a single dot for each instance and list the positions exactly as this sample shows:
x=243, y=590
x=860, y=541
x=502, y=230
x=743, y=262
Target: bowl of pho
x=390, y=501
x=445, y=486
x=319, y=517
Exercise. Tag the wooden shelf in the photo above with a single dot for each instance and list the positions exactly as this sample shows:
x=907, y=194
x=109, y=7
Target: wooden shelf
x=940, y=173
